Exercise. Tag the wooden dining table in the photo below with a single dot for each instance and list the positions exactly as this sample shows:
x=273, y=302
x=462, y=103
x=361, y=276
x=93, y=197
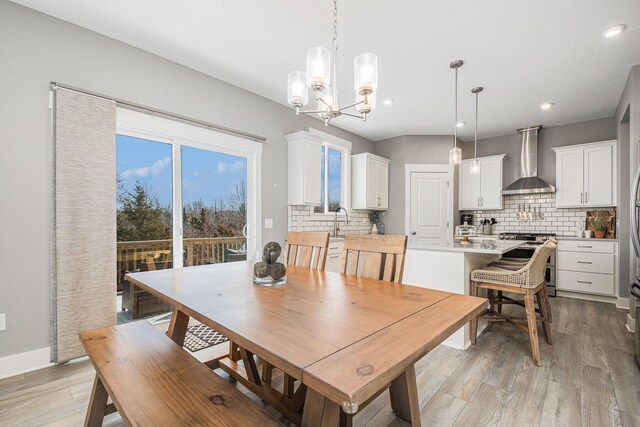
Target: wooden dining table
x=346, y=339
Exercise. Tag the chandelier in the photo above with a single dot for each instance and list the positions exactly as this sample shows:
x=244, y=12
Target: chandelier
x=322, y=73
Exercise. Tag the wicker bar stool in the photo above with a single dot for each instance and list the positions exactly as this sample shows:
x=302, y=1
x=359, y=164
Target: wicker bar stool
x=527, y=280
x=515, y=264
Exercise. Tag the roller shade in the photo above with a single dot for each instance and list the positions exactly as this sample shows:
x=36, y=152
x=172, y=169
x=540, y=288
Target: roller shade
x=84, y=221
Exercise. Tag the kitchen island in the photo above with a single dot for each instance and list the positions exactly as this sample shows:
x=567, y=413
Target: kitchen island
x=448, y=267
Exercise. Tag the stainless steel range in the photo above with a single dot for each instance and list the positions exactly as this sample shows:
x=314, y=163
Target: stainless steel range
x=526, y=251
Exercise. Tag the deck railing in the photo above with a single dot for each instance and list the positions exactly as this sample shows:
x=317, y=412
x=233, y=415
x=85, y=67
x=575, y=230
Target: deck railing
x=157, y=254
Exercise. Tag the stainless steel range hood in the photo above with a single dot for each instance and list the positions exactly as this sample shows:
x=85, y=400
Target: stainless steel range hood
x=529, y=182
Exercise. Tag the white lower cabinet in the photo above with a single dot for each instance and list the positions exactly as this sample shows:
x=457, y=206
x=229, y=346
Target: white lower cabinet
x=334, y=256
x=587, y=266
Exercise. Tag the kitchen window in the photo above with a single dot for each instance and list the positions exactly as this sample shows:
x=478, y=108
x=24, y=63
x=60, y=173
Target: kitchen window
x=335, y=176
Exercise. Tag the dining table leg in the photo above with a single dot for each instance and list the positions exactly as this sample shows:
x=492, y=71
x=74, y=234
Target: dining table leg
x=404, y=397
x=319, y=411
x=178, y=326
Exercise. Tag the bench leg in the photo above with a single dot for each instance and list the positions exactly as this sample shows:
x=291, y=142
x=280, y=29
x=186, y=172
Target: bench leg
x=404, y=397
x=178, y=326
x=97, y=404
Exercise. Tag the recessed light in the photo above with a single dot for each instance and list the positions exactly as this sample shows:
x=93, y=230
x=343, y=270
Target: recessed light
x=614, y=31
x=388, y=101
x=546, y=105
x=460, y=124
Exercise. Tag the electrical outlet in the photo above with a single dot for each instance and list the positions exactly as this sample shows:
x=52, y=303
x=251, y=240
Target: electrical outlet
x=3, y=322
x=268, y=223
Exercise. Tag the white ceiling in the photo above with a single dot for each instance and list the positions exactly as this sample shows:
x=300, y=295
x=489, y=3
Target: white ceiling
x=523, y=52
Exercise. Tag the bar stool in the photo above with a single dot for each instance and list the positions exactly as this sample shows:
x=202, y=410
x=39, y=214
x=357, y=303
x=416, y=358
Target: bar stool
x=515, y=264
x=527, y=280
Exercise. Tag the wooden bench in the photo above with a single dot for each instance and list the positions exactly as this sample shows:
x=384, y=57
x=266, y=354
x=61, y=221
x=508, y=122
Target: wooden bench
x=154, y=382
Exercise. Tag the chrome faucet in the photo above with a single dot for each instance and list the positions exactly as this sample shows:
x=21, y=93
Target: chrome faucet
x=335, y=221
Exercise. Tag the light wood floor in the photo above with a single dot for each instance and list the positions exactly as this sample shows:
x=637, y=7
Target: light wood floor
x=589, y=377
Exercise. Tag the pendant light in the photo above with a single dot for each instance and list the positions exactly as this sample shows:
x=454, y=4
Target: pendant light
x=475, y=164
x=455, y=155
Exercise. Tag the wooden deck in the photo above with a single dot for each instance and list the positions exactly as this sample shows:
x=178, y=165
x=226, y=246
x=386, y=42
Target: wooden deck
x=588, y=377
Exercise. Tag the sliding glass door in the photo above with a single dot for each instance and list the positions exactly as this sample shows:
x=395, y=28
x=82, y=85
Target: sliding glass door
x=187, y=196
x=214, y=206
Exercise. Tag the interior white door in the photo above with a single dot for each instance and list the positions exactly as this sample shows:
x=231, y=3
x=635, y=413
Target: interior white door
x=598, y=176
x=570, y=178
x=429, y=207
x=491, y=183
x=469, y=188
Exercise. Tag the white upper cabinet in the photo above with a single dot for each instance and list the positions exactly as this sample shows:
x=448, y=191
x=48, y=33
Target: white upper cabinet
x=586, y=175
x=369, y=182
x=482, y=191
x=304, y=161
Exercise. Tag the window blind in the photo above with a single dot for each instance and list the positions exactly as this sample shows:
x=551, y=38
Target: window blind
x=84, y=222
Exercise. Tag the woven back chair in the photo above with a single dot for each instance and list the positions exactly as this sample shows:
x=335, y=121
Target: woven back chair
x=307, y=249
x=374, y=256
x=528, y=276
x=525, y=279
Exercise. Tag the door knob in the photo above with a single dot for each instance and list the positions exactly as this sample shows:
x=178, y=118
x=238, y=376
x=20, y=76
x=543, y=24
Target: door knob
x=413, y=233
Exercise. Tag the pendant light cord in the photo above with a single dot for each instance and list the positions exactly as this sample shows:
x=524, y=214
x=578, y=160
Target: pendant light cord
x=475, y=153
x=455, y=125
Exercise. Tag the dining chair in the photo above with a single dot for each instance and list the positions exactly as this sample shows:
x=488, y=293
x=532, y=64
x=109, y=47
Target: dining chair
x=307, y=249
x=374, y=256
x=304, y=249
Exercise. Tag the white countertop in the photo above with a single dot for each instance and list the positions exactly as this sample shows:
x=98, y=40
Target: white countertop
x=495, y=247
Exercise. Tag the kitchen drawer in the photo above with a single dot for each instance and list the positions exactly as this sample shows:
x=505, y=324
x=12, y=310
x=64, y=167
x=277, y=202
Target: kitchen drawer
x=333, y=262
x=586, y=245
x=590, y=283
x=335, y=248
x=586, y=262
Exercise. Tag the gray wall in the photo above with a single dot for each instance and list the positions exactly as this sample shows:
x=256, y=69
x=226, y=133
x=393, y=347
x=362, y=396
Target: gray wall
x=627, y=122
x=557, y=136
x=37, y=49
x=404, y=150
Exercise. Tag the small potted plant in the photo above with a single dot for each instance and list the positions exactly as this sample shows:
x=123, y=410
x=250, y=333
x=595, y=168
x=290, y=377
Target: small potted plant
x=374, y=218
x=600, y=224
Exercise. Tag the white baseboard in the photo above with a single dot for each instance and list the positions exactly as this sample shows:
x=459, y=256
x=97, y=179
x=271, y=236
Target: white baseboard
x=622, y=303
x=25, y=362
x=631, y=323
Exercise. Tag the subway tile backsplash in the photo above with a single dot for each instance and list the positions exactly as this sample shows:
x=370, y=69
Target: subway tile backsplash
x=300, y=219
x=563, y=222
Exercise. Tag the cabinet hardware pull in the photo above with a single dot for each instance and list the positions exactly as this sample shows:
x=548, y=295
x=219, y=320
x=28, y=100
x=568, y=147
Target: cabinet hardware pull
x=334, y=256
x=585, y=262
x=586, y=197
x=585, y=246
x=581, y=197
x=413, y=233
x=335, y=247
x=584, y=281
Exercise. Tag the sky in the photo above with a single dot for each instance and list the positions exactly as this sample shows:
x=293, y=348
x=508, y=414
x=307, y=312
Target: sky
x=206, y=175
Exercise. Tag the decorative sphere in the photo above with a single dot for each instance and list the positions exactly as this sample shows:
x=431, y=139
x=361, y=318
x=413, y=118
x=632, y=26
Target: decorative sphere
x=277, y=270
x=260, y=269
x=271, y=252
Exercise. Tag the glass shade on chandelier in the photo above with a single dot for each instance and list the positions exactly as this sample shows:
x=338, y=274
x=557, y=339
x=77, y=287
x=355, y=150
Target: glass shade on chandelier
x=318, y=68
x=325, y=109
x=365, y=73
x=455, y=156
x=475, y=167
x=297, y=93
x=366, y=103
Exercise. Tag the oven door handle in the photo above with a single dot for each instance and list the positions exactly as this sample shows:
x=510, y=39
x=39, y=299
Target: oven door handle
x=634, y=289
